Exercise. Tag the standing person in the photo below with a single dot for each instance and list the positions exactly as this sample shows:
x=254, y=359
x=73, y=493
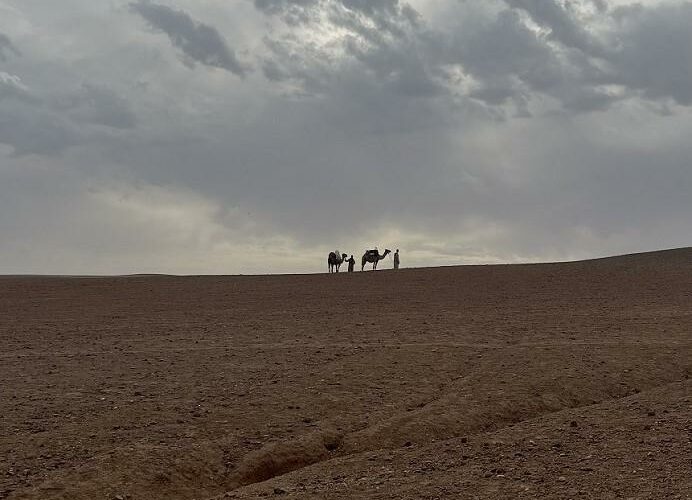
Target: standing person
x=396, y=259
x=351, y=263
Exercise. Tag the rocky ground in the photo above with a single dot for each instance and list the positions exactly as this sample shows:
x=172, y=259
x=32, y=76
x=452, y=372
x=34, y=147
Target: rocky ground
x=553, y=381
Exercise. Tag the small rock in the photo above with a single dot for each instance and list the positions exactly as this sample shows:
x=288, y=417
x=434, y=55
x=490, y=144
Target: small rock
x=562, y=478
x=279, y=491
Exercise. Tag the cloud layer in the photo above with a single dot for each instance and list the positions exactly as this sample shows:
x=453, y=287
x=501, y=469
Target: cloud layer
x=182, y=136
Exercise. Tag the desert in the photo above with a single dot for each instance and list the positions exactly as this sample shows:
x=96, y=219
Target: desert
x=559, y=380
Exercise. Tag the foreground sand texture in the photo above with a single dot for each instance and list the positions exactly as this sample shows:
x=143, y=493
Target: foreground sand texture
x=533, y=381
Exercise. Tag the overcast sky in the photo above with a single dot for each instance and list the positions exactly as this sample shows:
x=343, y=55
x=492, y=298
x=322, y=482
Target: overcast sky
x=252, y=136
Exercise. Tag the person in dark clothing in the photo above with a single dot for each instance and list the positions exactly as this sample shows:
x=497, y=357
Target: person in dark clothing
x=396, y=259
x=351, y=263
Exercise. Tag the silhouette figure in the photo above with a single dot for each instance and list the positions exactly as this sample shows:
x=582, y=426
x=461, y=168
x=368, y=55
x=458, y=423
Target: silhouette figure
x=396, y=259
x=351, y=264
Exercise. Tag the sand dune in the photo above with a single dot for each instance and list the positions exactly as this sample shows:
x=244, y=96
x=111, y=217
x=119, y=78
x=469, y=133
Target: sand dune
x=565, y=380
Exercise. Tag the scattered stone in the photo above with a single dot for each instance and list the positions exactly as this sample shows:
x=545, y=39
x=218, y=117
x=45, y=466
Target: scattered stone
x=279, y=491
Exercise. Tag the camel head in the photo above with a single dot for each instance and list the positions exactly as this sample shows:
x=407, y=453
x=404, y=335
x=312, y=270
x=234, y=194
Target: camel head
x=344, y=256
x=386, y=251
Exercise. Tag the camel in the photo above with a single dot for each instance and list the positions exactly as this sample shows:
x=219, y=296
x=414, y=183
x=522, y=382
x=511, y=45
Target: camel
x=374, y=257
x=334, y=260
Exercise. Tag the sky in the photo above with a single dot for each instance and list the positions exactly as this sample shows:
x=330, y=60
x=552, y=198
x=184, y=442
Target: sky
x=256, y=136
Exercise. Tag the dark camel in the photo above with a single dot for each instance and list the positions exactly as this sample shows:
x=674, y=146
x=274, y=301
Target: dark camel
x=335, y=260
x=374, y=257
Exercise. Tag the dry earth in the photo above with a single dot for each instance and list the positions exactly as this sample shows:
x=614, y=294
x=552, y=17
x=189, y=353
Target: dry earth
x=553, y=381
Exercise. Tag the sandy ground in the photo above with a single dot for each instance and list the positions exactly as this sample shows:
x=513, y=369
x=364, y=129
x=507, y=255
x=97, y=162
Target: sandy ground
x=552, y=381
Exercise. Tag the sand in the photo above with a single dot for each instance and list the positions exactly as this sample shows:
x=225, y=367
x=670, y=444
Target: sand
x=562, y=380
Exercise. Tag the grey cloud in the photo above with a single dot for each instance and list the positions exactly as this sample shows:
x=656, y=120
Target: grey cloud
x=397, y=126
x=11, y=86
x=645, y=50
x=384, y=37
x=7, y=47
x=642, y=49
x=35, y=131
x=198, y=41
x=27, y=124
x=100, y=105
x=48, y=124
x=562, y=23
x=656, y=52
x=281, y=6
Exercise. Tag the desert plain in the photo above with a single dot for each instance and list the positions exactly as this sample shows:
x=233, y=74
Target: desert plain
x=565, y=380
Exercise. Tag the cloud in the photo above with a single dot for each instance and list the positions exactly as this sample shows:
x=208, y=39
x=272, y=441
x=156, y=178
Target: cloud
x=581, y=54
x=12, y=86
x=99, y=105
x=474, y=131
x=564, y=25
x=6, y=47
x=34, y=123
x=36, y=131
x=27, y=124
x=655, y=53
x=378, y=43
x=199, y=42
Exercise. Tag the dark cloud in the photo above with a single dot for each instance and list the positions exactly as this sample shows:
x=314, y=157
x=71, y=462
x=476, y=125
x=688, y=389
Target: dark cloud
x=199, y=42
x=6, y=47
